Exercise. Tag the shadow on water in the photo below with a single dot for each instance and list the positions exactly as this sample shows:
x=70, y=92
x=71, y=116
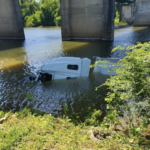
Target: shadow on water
x=98, y=48
x=10, y=44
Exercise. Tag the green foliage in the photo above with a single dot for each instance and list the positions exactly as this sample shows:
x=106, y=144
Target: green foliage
x=2, y=114
x=33, y=20
x=43, y=13
x=28, y=8
x=100, y=61
x=129, y=91
x=89, y=117
x=131, y=86
x=58, y=21
x=47, y=132
x=117, y=15
x=129, y=95
x=117, y=20
x=94, y=118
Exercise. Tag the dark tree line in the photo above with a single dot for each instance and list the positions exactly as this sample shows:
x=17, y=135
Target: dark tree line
x=42, y=13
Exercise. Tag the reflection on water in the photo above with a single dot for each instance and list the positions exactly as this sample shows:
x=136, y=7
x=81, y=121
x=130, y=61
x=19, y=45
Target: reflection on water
x=18, y=58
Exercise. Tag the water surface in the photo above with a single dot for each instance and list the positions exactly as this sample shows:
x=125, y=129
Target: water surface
x=20, y=57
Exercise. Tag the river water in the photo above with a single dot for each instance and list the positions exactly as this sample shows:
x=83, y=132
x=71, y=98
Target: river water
x=20, y=57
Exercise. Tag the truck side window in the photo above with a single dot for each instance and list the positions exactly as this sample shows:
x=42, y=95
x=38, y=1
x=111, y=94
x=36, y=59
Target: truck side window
x=72, y=67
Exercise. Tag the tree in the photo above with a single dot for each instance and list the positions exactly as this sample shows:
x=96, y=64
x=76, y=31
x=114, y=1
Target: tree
x=28, y=8
x=45, y=13
x=50, y=10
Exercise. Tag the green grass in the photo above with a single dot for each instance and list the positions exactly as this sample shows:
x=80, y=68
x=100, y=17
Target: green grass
x=24, y=131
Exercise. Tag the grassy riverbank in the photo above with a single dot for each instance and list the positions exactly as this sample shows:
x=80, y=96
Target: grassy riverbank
x=24, y=130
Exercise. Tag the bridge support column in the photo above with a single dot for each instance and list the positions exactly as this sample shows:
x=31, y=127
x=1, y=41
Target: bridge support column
x=127, y=13
x=65, y=19
x=108, y=19
x=11, y=25
x=142, y=13
x=87, y=19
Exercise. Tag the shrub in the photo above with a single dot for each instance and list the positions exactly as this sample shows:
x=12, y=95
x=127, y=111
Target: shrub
x=129, y=91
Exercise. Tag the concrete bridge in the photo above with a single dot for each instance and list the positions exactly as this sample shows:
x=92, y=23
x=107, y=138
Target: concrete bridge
x=81, y=19
x=142, y=13
x=11, y=25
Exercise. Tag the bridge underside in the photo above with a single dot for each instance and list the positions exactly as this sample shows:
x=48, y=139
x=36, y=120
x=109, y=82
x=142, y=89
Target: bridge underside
x=11, y=26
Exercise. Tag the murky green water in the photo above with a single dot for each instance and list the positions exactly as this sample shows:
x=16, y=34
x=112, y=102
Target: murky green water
x=18, y=58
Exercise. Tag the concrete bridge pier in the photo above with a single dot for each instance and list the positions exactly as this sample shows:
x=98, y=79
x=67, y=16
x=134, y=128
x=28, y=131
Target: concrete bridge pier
x=108, y=20
x=11, y=25
x=87, y=19
x=142, y=13
x=127, y=12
